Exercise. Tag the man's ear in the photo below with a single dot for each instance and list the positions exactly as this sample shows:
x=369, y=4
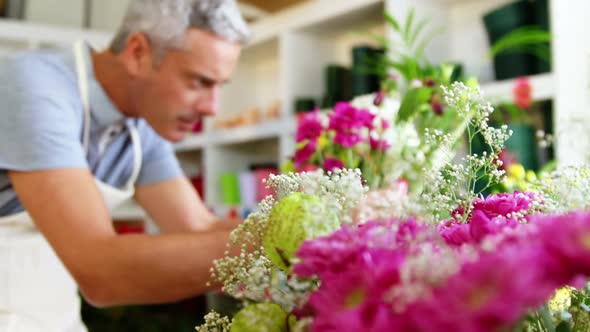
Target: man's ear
x=138, y=54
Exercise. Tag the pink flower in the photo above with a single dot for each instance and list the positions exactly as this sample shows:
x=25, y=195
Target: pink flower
x=455, y=233
x=304, y=154
x=331, y=164
x=309, y=128
x=490, y=216
x=335, y=253
x=507, y=158
x=370, y=275
x=481, y=225
x=504, y=204
x=522, y=92
x=567, y=237
x=489, y=294
x=347, y=117
x=354, y=300
x=348, y=139
x=379, y=144
x=307, y=168
x=347, y=121
x=379, y=97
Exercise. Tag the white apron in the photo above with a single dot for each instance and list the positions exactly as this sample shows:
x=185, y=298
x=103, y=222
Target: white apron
x=37, y=294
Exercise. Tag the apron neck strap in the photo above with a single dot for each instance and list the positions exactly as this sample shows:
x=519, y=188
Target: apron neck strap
x=79, y=53
x=82, y=72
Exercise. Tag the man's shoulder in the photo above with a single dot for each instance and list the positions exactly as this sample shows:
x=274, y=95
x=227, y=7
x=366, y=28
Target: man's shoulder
x=47, y=69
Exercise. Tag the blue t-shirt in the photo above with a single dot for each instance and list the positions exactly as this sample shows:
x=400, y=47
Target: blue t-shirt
x=41, y=126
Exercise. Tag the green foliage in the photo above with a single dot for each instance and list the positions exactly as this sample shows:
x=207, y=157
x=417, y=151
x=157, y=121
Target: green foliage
x=530, y=40
x=408, y=58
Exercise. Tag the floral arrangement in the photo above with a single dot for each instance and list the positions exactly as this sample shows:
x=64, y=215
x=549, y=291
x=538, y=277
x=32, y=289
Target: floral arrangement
x=454, y=261
x=386, y=134
x=352, y=135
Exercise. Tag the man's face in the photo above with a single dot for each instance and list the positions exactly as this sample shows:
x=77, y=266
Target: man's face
x=184, y=86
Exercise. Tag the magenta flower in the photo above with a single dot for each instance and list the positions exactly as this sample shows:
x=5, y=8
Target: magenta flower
x=455, y=233
x=310, y=127
x=504, y=204
x=307, y=168
x=379, y=97
x=482, y=226
x=331, y=164
x=304, y=154
x=379, y=144
x=567, y=238
x=370, y=275
x=490, y=216
x=348, y=139
x=348, y=121
x=354, y=300
x=489, y=294
x=335, y=253
x=346, y=117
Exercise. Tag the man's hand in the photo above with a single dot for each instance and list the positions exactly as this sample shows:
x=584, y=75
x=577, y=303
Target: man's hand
x=176, y=207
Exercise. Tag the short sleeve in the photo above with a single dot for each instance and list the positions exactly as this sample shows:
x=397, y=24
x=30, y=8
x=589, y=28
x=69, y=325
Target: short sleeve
x=40, y=114
x=159, y=162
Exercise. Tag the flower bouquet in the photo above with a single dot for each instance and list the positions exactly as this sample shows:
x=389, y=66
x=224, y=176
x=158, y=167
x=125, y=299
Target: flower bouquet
x=457, y=261
x=386, y=134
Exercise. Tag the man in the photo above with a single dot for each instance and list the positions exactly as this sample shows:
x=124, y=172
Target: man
x=80, y=132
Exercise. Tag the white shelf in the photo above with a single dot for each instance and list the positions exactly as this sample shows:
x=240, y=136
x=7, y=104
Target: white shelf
x=248, y=134
x=310, y=14
x=237, y=135
x=192, y=142
x=543, y=87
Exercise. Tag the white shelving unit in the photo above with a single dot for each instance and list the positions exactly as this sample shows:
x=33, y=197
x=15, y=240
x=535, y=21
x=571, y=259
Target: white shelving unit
x=290, y=49
x=543, y=87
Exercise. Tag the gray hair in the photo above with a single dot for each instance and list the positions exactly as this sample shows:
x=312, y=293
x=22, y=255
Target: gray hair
x=165, y=22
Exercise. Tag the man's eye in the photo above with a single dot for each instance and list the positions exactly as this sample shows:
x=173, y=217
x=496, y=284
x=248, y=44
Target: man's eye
x=206, y=83
x=195, y=84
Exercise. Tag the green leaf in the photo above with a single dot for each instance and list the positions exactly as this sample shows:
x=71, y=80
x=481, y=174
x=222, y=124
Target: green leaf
x=419, y=52
x=417, y=30
x=446, y=71
x=412, y=68
x=546, y=318
x=412, y=101
x=288, y=167
x=408, y=27
x=392, y=21
x=472, y=82
x=525, y=36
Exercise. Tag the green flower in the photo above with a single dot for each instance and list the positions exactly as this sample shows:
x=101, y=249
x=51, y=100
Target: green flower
x=262, y=317
x=295, y=218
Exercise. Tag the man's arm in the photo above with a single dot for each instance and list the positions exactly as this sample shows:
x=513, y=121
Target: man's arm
x=175, y=206
x=68, y=209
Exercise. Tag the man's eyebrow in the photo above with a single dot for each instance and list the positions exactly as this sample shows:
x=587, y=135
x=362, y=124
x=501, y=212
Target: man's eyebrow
x=204, y=78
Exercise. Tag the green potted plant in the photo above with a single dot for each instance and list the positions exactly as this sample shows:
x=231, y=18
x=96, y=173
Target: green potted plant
x=519, y=37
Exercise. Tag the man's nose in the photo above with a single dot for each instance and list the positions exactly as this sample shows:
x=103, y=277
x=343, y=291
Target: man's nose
x=208, y=104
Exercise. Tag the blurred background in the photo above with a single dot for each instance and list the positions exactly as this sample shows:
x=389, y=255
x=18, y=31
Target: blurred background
x=311, y=54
